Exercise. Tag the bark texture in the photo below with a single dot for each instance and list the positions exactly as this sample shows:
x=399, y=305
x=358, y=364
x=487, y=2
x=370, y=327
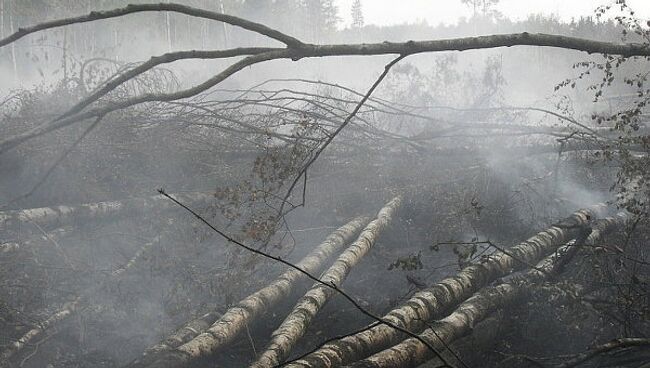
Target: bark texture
x=193, y=340
x=433, y=302
x=297, y=322
x=61, y=215
x=412, y=353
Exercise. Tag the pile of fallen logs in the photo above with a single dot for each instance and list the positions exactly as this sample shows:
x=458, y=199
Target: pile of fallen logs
x=54, y=224
x=414, y=332
x=439, y=314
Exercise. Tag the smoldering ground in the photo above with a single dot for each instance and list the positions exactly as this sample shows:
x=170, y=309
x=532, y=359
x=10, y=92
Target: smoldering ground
x=481, y=145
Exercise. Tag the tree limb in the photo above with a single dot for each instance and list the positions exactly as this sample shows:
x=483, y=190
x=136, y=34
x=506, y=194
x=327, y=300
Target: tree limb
x=297, y=51
x=169, y=7
x=605, y=348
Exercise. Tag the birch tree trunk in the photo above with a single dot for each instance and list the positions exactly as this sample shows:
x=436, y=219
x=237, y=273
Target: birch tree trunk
x=295, y=325
x=14, y=61
x=168, y=30
x=52, y=237
x=2, y=18
x=61, y=215
x=412, y=353
x=67, y=310
x=433, y=302
x=191, y=341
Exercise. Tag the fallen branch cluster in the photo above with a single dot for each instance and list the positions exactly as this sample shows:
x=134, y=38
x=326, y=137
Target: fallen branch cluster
x=294, y=50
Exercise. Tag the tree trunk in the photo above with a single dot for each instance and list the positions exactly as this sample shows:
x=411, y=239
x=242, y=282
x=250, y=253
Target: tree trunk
x=412, y=353
x=60, y=215
x=434, y=301
x=2, y=18
x=14, y=61
x=68, y=309
x=185, y=345
x=296, y=324
x=50, y=237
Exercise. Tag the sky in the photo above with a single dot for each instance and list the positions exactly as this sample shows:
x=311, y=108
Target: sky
x=388, y=12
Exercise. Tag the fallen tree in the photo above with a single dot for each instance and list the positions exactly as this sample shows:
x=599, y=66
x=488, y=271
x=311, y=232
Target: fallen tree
x=61, y=215
x=412, y=353
x=296, y=323
x=67, y=310
x=50, y=236
x=232, y=323
x=434, y=301
x=15, y=347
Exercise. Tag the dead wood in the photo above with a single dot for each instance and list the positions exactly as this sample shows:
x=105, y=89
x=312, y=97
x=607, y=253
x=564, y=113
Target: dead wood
x=433, y=302
x=204, y=335
x=297, y=322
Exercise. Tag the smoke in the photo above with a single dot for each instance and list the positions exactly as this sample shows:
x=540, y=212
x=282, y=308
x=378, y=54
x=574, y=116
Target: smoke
x=451, y=132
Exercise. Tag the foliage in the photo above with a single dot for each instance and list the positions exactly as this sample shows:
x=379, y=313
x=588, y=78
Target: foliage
x=409, y=263
x=624, y=79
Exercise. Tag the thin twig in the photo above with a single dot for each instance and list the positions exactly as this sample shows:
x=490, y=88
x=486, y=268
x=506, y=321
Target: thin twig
x=303, y=170
x=167, y=7
x=56, y=163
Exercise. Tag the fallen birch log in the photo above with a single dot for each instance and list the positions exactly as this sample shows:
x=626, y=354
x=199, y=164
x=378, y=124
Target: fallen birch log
x=50, y=237
x=67, y=310
x=61, y=215
x=16, y=346
x=194, y=337
x=412, y=353
x=433, y=302
x=295, y=325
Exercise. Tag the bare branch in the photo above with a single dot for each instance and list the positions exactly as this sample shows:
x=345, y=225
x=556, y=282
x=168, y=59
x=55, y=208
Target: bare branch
x=296, y=50
x=57, y=124
x=169, y=7
x=158, y=60
x=303, y=170
x=605, y=348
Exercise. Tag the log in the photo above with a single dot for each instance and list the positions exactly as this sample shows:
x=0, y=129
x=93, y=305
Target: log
x=64, y=215
x=67, y=310
x=196, y=339
x=286, y=336
x=51, y=236
x=433, y=302
x=412, y=353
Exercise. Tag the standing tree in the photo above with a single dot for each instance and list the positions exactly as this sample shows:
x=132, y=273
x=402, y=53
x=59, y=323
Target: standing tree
x=484, y=6
x=357, y=14
x=320, y=18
